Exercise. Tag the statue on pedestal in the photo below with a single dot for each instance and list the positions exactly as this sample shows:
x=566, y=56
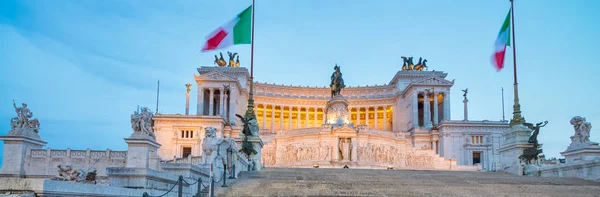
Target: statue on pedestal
x=582, y=130
x=142, y=123
x=337, y=82
x=531, y=154
x=465, y=91
x=22, y=120
x=215, y=150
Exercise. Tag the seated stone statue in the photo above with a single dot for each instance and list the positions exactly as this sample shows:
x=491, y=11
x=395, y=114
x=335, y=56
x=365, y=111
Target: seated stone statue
x=67, y=173
x=582, y=130
x=215, y=150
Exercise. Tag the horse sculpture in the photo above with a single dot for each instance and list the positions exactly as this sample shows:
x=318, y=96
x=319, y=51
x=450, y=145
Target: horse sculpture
x=421, y=65
x=231, y=57
x=337, y=82
x=220, y=61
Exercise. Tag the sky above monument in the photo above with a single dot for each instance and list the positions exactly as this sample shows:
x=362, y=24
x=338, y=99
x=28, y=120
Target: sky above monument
x=84, y=66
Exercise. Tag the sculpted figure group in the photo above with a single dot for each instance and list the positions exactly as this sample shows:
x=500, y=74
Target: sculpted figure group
x=220, y=61
x=582, y=129
x=408, y=64
x=66, y=172
x=304, y=152
x=215, y=150
x=22, y=121
x=530, y=154
x=142, y=123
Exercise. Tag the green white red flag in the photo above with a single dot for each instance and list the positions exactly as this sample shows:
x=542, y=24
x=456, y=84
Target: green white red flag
x=502, y=41
x=236, y=31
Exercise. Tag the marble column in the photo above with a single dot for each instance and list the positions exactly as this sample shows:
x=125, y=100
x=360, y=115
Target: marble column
x=367, y=116
x=358, y=116
x=264, y=116
x=200, y=102
x=272, y=118
x=187, y=103
x=465, y=101
x=281, y=119
x=415, y=106
x=232, y=105
x=336, y=149
x=375, y=115
x=315, y=119
x=435, y=109
x=426, y=110
x=385, y=118
x=289, y=118
x=447, y=105
x=211, y=102
x=298, y=117
x=306, y=117
x=221, y=103
x=354, y=152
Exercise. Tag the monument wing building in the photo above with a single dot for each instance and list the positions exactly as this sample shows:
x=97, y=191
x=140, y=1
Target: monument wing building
x=404, y=124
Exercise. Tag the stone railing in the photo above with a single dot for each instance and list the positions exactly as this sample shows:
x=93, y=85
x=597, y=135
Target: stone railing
x=194, y=160
x=44, y=162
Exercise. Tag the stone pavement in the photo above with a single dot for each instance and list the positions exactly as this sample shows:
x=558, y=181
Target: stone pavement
x=362, y=182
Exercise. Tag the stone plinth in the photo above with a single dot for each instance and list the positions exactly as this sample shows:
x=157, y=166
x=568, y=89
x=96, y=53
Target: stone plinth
x=16, y=144
x=143, y=178
x=141, y=148
x=258, y=145
x=515, y=141
x=336, y=111
x=581, y=151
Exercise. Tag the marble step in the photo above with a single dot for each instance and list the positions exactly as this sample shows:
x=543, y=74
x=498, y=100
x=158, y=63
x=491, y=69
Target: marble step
x=361, y=182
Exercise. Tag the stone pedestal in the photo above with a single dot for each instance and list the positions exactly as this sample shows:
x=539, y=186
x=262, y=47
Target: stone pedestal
x=141, y=148
x=258, y=144
x=581, y=151
x=515, y=141
x=336, y=111
x=16, y=144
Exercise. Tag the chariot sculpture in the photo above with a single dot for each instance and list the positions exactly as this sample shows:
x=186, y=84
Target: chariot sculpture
x=409, y=65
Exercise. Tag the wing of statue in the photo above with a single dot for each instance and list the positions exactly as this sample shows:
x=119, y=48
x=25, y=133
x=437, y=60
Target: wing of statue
x=241, y=117
x=528, y=125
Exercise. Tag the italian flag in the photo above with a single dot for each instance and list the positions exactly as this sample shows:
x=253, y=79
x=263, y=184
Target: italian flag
x=236, y=31
x=502, y=41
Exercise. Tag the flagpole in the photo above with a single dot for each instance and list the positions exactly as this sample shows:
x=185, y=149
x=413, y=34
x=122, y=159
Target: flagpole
x=517, y=118
x=503, y=105
x=250, y=111
x=157, y=93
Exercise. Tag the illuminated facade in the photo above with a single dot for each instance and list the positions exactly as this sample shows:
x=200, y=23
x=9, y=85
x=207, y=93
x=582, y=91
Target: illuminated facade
x=404, y=124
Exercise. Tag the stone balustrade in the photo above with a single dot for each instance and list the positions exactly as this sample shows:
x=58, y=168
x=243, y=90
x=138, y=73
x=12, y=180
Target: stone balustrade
x=44, y=162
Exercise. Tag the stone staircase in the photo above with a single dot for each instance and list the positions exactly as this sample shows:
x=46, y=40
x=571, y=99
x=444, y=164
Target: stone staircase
x=369, y=182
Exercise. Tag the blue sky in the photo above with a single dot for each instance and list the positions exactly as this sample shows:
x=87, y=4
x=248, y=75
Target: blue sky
x=84, y=66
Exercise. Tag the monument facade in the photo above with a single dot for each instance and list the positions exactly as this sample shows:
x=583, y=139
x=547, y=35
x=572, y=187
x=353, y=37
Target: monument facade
x=403, y=124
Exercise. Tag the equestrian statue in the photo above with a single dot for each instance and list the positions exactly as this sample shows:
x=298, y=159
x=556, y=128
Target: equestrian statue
x=337, y=82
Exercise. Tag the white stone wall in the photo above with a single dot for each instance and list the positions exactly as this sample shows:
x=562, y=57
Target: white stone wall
x=44, y=162
x=167, y=129
x=456, y=142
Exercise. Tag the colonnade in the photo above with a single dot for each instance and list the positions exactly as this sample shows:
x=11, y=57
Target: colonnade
x=276, y=118
x=213, y=101
x=430, y=107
